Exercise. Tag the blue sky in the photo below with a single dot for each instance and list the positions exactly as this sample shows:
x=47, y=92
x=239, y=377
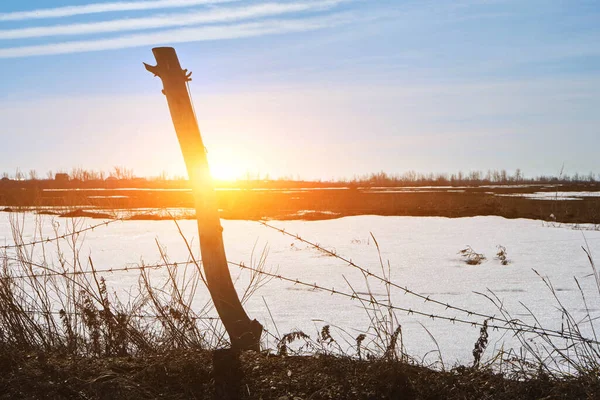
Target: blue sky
x=316, y=89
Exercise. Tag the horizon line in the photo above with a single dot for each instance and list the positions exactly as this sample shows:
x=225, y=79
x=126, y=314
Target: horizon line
x=493, y=175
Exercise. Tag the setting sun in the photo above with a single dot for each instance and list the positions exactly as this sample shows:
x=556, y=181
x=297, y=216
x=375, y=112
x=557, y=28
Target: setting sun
x=222, y=171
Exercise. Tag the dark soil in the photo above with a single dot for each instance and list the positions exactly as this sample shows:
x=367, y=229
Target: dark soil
x=82, y=213
x=222, y=375
x=324, y=203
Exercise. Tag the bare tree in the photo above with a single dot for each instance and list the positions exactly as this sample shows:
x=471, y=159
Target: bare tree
x=122, y=173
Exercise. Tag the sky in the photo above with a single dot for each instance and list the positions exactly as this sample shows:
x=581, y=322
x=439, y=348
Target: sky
x=304, y=88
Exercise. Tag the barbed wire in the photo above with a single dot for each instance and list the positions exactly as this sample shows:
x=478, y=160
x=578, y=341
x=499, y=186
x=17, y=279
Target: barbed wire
x=60, y=237
x=522, y=328
x=94, y=271
x=116, y=313
x=446, y=305
x=511, y=325
x=73, y=233
x=54, y=273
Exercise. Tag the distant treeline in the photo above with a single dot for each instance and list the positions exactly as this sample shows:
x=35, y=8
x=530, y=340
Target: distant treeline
x=121, y=177
x=496, y=177
x=76, y=174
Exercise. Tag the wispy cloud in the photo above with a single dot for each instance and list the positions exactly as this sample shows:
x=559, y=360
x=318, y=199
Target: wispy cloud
x=167, y=21
x=218, y=32
x=97, y=8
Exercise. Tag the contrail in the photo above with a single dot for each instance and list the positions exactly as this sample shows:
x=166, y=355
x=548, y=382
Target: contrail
x=182, y=35
x=217, y=15
x=96, y=8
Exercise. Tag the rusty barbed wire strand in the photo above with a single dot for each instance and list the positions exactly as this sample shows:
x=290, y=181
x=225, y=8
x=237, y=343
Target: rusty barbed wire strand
x=406, y=290
x=64, y=236
x=522, y=328
x=114, y=313
x=54, y=273
x=511, y=325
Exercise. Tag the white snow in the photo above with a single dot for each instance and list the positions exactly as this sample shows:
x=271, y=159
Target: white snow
x=421, y=251
x=552, y=195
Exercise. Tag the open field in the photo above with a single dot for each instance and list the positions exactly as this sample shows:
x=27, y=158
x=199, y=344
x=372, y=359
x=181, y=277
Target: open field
x=573, y=203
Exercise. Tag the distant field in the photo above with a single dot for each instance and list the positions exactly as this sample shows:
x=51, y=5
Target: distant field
x=574, y=203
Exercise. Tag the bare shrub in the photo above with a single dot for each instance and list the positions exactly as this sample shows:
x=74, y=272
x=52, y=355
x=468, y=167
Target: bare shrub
x=472, y=257
x=502, y=256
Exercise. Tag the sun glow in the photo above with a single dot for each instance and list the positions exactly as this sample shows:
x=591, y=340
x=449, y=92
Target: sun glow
x=224, y=172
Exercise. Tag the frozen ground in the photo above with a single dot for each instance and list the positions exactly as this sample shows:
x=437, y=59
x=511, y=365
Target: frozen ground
x=421, y=251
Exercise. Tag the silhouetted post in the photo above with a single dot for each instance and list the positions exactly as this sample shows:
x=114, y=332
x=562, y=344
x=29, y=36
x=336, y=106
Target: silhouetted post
x=243, y=332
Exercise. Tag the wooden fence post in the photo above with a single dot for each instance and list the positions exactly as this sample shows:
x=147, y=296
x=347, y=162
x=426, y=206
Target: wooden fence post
x=243, y=332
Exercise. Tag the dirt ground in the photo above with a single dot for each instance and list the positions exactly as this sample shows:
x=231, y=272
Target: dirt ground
x=322, y=203
x=223, y=375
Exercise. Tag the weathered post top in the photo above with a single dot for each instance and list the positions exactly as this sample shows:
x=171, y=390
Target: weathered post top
x=166, y=62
